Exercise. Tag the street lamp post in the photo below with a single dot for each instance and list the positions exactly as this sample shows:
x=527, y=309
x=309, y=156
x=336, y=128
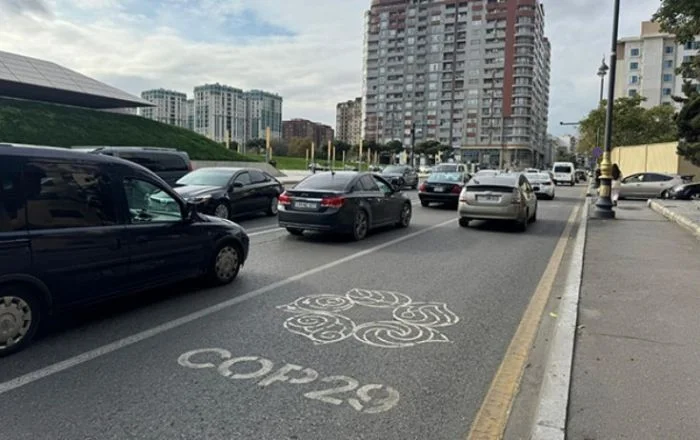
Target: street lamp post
x=604, y=205
x=602, y=71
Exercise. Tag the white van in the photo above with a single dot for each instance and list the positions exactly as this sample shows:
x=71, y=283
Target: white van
x=564, y=173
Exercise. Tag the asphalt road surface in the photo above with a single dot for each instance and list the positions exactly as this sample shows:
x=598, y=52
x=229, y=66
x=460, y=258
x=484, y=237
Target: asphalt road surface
x=394, y=337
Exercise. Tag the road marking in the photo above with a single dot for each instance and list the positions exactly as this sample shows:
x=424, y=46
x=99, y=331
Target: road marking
x=267, y=231
x=58, y=367
x=550, y=418
x=490, y=422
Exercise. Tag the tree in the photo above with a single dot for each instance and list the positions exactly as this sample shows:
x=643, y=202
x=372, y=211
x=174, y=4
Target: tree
x=341, y=146
x=256, y=144
x=394, y=147
x=633, y=125
x=279, y=147
x=427, y=147
x=298, y=146
x=682, y=18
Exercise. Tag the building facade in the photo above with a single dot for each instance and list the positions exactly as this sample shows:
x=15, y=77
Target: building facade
x=170, y=106
x=189, y=112
x=220, y=113
x=646, y=65
x=348, y=121
x=318, y=133
x=471, y=74
x=263, y=110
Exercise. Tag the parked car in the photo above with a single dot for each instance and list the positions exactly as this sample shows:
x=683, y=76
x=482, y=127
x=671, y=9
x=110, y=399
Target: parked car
x=404, y=174
x=442, y=187
x=648, y=185
x=542, y=184
x=580, y=176
x=345, y=202
x=532, y=171
x=564, y=173
x=686, y=191
x=79, y=228
x=230, y=192
x=450, y=168
x=168, y=163
x=486, y=173
x=506, y=196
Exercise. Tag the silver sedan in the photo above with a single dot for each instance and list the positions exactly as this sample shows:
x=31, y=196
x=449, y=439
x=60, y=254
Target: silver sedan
x=648, y=185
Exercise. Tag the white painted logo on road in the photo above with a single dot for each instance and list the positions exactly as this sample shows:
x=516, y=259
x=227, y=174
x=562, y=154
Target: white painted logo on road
x=320, y=319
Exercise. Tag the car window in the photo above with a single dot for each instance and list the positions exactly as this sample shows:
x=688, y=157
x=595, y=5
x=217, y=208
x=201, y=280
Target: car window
x=68, y=195
x=148, y=160
x=326, y=181
x=635, y=178
x=562, y=169
x=148, y=203
x=257, y=177
x=395, y=169
x=243, y=179
x=368, y=183
x=171, y=162
x=12, y=201
x=657, y=178
x=383, y=186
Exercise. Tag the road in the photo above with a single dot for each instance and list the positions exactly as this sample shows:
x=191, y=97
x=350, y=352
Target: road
x=275, y=368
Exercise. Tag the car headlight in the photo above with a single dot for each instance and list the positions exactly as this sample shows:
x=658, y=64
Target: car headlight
x=199, y=199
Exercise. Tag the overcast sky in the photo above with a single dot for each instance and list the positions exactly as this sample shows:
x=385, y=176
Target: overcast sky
x=308, y=51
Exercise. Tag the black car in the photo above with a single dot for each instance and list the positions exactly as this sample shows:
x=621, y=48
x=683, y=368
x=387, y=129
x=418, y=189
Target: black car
x=168, y=163
x=404, y=175
x=686, y=191
x=230, y=192
x=345, y=202
x=78, y=228
x=442, y=187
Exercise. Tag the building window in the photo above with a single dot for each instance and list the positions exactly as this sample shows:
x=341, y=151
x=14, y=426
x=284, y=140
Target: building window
x=668, y=77
x=634, y=79
x=634, y=66
x=668, y=64
x=667, y=92
x=634, y=52
x=632, y=92
x=668, y=49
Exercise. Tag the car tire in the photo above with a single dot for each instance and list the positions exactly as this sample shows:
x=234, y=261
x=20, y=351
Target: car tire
x=533, y=219
x=414, y=186
x=405, y=216
x=665, y=194
x=20, y=316
x=295, y=231
x=424, y=203
x=222, y=210
x=522, y=224
x=225, y=264
x=360, y=225
x=272, y=207
x=464, y=222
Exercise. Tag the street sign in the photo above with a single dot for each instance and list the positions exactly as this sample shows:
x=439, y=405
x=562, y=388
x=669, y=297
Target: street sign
x=597, y=152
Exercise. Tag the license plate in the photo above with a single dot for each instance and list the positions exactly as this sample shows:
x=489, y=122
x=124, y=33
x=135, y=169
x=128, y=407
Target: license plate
x=488, y=198
x=305, y=205
x=439, y=189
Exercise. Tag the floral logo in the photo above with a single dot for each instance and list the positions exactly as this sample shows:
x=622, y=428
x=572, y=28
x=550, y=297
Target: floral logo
x=320, y=318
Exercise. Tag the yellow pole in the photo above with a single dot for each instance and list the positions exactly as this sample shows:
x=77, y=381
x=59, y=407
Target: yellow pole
x=268, y=148
x=343, y=158
x=369, y=157
x=359, y=158
x=330, y=147
x=313, y=152
x=306, y=157
x=376, y=157
x=333, y=163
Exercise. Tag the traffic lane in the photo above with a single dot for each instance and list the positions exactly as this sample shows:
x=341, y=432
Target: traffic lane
x=273, y=256
x=479, y=281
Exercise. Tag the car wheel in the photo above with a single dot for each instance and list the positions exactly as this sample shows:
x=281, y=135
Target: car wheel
x=534, y=217
x=415, y=186
x=295, y=231
x=572, y=184
x=20, y=314
x=221, y=210
x=666, y=194
x=695, y=196
x=360, y=225
x=225, y=264
x=272, y=207
x=405, y=216
x=522, y=224
x=424, y=204
x=464, y=222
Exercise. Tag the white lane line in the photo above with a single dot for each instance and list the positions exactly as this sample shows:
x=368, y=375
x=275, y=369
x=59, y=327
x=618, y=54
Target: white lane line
x=550, y=419
x=267, y=231
x=157, y=330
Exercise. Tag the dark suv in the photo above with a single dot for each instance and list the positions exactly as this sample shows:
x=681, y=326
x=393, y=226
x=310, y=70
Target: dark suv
x=79, y=228
x=168, y=163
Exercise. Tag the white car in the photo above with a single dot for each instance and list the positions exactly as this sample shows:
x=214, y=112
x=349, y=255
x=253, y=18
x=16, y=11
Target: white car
x=564, y=173
x=542, y=184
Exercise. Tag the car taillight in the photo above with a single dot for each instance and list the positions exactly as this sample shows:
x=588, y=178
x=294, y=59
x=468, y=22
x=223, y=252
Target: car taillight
x=190, y=167
x=456, y=189
x=516, y=196
x=284, y=199
x=421, y=188
x=332, y=202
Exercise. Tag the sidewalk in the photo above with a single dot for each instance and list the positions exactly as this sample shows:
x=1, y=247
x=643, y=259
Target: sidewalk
x=684, y=212
x=635, y=373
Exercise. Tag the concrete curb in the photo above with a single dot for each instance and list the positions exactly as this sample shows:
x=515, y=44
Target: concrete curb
x=680, y=219
x=550, y=417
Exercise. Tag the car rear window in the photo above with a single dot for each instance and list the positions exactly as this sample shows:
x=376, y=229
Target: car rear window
x=157, y=162
x=490, y=188
x=562, y=169
x=326, y=181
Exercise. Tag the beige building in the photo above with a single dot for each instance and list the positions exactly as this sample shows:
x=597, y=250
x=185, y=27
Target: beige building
x=348, y=121
x=646, y=65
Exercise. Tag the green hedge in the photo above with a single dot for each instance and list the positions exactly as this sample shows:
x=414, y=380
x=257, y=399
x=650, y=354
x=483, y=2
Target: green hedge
x=26, y=122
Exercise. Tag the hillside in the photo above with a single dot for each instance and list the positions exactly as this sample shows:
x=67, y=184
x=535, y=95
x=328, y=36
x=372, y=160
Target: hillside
x=25, y=122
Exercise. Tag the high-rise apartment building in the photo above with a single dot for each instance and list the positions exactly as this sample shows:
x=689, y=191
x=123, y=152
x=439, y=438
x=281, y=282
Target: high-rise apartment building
x=472, y=74
x=319, y=133
x=646, y=65
x=263, y=110
x=189, y=112
x=170, y=107
x=348, y=121
x=220, y=112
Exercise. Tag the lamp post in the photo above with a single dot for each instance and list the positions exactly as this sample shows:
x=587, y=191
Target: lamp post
x=604, y=205
x=602, y=71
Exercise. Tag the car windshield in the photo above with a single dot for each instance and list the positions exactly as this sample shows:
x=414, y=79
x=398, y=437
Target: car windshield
x=393, y=169
x=539, y=177
x=562, y=169
x=207, y=177
x=444, y=177
x=326, y=181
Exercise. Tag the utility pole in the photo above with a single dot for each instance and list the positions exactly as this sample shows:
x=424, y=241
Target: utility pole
x=413, y=142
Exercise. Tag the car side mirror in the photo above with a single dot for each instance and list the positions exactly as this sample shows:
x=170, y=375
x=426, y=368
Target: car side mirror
x=190, y=212
x=237, y=185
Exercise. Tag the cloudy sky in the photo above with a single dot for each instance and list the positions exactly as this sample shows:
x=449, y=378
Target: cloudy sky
x=308, y=51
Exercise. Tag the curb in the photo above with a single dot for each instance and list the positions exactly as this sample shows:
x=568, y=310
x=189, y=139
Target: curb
x=551, y=413
x=680, y=219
